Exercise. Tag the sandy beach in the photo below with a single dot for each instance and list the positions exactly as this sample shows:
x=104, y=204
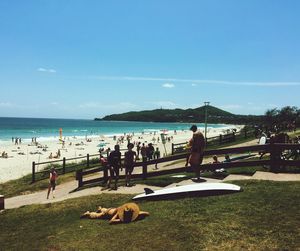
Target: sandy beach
x=21, y=156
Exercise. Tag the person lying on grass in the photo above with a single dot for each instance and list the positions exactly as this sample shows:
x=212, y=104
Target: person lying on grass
x=124, y=214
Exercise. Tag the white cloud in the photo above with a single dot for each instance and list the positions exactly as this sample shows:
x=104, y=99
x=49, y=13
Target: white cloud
x=197, y=81
x=117, y=107
x=168, y=85
x=231, y=106
x=90, y=105
x=165, y=104
x=46, y=70
x=5, y=104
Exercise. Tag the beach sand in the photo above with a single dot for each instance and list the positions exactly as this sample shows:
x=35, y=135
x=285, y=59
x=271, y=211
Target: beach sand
x=20, y=157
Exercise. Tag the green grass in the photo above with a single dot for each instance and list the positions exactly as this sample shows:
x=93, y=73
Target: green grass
x=265, y=216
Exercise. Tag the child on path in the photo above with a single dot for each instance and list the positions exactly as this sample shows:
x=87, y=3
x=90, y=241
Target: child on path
x=52, y=182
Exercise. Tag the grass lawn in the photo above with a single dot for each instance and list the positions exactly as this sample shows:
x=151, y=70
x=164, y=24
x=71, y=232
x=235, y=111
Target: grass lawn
x=265, y=216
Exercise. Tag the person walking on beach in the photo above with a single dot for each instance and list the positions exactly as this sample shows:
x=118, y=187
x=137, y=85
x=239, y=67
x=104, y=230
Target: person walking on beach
x=138, y=148
x=130, y=159
x=52, y=182
x=150, y=151
x=156, y=153
x=144, y=152
x=114, y=161
x=197, y=144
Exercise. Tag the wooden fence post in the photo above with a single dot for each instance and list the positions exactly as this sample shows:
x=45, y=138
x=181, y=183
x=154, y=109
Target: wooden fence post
x=2, y=202
x=33, y=172
x=144, y=171
x=87, y=160
x=220, y=139
x=172, y=148
x=79, y=177
x=64, y=165
x=245, y=130
x=274, y=157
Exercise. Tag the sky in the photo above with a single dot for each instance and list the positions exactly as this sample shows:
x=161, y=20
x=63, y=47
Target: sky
x=90, y=58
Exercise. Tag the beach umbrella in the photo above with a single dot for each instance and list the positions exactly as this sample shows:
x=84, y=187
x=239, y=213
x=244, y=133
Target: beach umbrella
x=102, y=144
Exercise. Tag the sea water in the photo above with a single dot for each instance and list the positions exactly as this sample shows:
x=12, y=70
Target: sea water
x=48, y=129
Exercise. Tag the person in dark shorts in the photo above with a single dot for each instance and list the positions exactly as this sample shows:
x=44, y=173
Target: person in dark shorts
x=114, y=161
x=52, y=182
x=197, y=145
x=144, y=152
x=130, y=159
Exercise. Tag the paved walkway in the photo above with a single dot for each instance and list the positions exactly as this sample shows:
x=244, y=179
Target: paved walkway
x=64, y=191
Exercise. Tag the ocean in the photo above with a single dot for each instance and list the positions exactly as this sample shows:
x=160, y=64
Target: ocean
x=48, y=129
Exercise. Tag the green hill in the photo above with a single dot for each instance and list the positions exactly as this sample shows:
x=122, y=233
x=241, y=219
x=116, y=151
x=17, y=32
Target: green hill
x=215, y=115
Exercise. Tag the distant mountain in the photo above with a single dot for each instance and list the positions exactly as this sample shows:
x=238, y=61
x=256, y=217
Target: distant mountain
x=214, y=115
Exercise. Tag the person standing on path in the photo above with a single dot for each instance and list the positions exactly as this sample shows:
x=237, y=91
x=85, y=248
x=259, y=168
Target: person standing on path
x=114, y=161
x=52, y=182
x=130, y=159
x=197, y=144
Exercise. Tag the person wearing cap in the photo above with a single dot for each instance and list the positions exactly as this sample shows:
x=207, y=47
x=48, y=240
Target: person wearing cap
x=129, y=160
x=197, y=145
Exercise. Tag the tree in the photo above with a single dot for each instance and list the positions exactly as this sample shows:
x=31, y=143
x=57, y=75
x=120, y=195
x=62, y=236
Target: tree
x=272, y=116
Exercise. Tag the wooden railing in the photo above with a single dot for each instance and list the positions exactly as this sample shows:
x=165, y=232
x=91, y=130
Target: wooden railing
x=63, y=166
x=275, y=151
x=218, y=140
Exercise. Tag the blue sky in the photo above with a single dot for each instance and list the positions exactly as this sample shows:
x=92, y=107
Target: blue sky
x=86, y=59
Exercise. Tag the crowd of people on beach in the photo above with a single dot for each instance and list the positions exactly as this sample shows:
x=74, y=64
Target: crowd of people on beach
x=16, y=140
x=146, y=152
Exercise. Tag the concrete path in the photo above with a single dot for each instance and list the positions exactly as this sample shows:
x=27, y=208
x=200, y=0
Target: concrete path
x=265, y=176
x=276, y=176
x=65, y=191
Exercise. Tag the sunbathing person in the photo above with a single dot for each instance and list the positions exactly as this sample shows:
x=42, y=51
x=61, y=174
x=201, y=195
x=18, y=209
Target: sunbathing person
x=124, y=214
x=4, y=155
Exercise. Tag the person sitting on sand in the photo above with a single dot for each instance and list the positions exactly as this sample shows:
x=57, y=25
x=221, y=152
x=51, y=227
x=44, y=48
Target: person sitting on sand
x=124, y=214
x=4, y=155
x=50, y=156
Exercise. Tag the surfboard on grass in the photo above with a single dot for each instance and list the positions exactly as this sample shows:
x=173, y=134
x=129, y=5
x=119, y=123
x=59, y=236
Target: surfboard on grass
x=199, y=189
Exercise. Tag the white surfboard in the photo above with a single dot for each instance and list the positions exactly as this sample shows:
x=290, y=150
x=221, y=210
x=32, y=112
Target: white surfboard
x=201, y=189
x=262, y=140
